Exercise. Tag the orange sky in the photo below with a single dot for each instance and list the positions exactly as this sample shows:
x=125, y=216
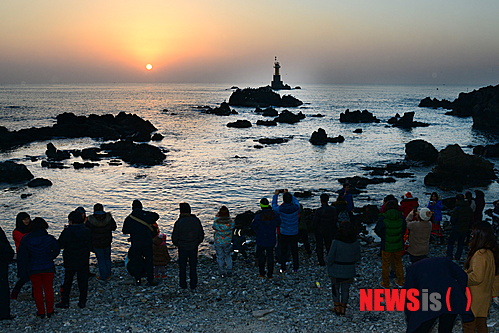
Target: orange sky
x=222, y=41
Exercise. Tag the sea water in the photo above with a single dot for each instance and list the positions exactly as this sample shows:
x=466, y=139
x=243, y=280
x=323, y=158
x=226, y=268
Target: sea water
x=209, y=164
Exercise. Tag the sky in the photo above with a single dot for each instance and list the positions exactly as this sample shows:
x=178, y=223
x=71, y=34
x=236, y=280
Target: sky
x=222, y=41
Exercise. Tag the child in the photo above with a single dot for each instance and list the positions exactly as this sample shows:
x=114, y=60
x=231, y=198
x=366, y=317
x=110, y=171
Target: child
x=223, y=226
x=76, y=240
x=160, y=256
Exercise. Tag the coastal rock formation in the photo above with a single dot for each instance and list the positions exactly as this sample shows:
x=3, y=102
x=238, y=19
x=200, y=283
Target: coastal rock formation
x=271, y=141
x=320, y=137
x=266, y=122
x=435, y=103
x=481, y=104
x=487, y=151
x=420, y=150
x=358, y=117
x=362, y=182
x=11, y=172
x=106, y=127
x=240, y=124
x=86, y=165
x=142, y=154
x=456, y=169
x=261, y=97
x=270, y=112
x=55, y=154
x=223, y=110
x=288, y=117
x=406, y=121
x=39, y=182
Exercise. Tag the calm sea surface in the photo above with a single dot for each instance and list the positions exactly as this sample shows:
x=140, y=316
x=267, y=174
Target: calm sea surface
x=209, y=164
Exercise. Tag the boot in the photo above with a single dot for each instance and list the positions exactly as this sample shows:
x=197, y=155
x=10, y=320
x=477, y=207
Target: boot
x=343, y=307
x=337, y=308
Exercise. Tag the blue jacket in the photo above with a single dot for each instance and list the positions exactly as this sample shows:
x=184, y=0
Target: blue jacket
x=289, y=214
x=36, y=254
x=265, y=223
x=436, y=208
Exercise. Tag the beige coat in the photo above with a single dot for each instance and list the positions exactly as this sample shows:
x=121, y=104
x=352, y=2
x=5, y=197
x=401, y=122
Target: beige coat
x=419, y=236
x=482, y=281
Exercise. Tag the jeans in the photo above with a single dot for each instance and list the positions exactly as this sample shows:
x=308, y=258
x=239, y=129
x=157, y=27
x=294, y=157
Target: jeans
x=104, y=262
x=386, y=259
x=341, y=291
x=43, y=285
x=265, y=255
x=287, y=242
x=224, y=257
x=82, y=279
x=454, y=236
x=190, y=256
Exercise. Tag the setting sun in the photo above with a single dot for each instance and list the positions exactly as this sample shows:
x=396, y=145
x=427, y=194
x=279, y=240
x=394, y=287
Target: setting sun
x=148, y=67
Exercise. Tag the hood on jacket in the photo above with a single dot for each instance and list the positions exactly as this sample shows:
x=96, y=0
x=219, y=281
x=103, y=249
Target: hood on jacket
x=100, y=220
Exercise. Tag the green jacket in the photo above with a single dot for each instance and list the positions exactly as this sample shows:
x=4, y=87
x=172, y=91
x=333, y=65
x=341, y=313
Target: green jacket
x=391, y=229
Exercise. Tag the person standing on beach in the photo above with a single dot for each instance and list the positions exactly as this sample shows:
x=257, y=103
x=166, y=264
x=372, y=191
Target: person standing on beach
x=265, y=224
x=325, y=223
x=6, y=256
x=391, y=228
x=289, y=213
x=419, y=226
x=36, y=255
x=102, y=225
x=347, y=196
x=436, y=205
x=23, y=221
x=187, y=234
x=461, y=218
x=76, y=240
x=142, y=227
x=223, y=226
x=408, y=203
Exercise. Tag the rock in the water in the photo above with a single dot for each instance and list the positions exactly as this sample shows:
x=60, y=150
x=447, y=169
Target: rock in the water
x=55, y=154
x=142, y=154
x=358, y=117
x=420, y=150
x=266, y=123
x=86, y=165
x=222, y=110
x=240, y=124
x=13, y=172
x=456, y=169
x=358, y=130
x=270, y=112
x=320, y=137
x=406, y=121
x=263, y=96
x=288, y=117
x=435, y=103
x=270, y=141
x=38, y=182
x=487, y=151
x=362, y=182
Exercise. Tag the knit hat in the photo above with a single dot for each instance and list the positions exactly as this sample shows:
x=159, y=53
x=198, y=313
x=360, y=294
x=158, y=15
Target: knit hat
x=408, y=195
x=264, y=203
x=99, y=209
x=423, y=214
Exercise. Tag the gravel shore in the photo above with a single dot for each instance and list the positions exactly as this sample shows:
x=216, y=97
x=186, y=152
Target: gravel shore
x=290, y=302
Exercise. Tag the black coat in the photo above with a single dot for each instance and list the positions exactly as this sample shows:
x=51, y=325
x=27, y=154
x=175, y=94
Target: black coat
x=36, y=254
x=139, y=233
x=102, y=227
x=6, y=251
x=325, y=220
x=187, y=232
x=76, y=240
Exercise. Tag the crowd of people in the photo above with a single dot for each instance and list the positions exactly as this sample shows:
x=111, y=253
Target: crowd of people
x=404, y=227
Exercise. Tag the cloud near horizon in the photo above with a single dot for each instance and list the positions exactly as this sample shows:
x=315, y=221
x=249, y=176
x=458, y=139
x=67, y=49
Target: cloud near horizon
x=385, y=42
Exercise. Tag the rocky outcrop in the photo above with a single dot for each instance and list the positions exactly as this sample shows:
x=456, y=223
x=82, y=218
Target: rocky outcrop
x=435, y=103
x=141, y=154
x=456, y=170
x=406, y=121
x=223, y=110
x=487, y=151
x=270, y=112
x=11, y=172
x=266, y=123
x=362, y=182
x=320, y=137
x=240, y=124
x=288, y=117
x=358, y=117
x=420, y=150
x=261, y=97
x=39, y=182
x=68, y=125
x=271, y=141
x=55, y=154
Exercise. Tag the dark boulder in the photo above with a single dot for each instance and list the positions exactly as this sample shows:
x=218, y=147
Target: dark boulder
x=320, y=137
x=358, y=117
x=420, y=150
x=456, y=170
x=141, y=154
x=12, y=172
x=240, y=124
x=406, y=121
x=244, y=220
x=261, y=97
x=318, y=115
x=271, y=141
x=157, y=137
x=86, y=165
x=435, y=103
x=358, y=131
x=39, y=182
x=93, y=154
x=362, y=182
x=55, y=154
x=222, y=110
x=270, y=112
x=266, y=123
x=288, y=117
x=487, y=151
x=303, y=194
x=53, y=165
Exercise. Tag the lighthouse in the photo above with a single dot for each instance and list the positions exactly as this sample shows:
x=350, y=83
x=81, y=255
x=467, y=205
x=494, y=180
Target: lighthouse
x=277, y=83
